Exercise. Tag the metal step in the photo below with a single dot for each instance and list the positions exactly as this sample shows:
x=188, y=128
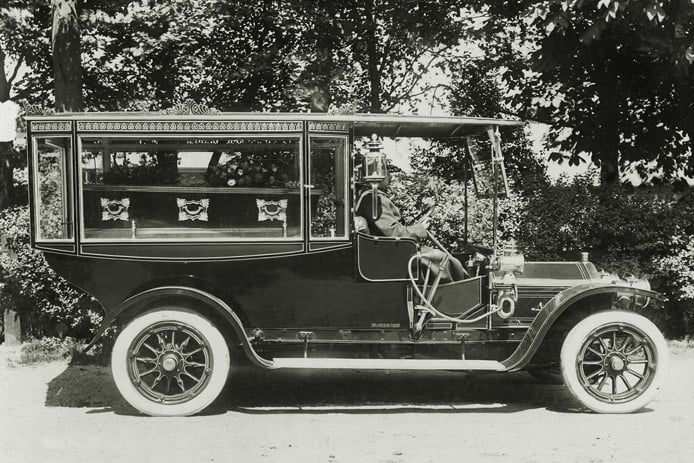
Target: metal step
x=387, y=364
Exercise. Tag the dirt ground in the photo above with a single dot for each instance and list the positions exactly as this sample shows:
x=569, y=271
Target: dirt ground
x=59, y=413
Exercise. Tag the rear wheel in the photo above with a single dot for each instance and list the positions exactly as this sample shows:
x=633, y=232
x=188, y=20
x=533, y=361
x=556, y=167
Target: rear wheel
x=614, y=361
x=170, y=362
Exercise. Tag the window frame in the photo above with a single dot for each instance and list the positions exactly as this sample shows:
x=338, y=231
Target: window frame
x=66, y=190
x=346, y=186
x=299, y=137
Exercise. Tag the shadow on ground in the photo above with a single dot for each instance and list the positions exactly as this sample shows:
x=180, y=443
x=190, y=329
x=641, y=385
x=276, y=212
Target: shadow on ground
x=252, y=390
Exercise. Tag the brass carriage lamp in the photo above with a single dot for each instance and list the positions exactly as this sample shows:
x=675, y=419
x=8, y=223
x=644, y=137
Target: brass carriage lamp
x=375, y=170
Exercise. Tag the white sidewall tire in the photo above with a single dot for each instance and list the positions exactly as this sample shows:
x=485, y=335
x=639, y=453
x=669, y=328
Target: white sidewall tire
x=218, y=348
x=580, y=333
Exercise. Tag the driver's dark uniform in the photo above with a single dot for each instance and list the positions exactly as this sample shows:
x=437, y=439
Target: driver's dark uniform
x=387, y=223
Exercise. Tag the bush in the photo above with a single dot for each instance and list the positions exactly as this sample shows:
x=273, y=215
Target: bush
x=47, y=304
x=647, y=231
x=675, y=273
x=414, y=193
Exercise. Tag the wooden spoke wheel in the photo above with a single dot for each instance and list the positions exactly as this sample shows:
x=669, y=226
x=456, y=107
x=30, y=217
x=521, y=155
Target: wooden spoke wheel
x=170, y=362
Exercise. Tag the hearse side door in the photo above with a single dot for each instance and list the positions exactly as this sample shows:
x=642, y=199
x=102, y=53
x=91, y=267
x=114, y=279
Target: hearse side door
x=351, y=299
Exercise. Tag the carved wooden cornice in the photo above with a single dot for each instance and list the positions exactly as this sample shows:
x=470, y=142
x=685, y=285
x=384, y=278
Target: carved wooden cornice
x=190, y=107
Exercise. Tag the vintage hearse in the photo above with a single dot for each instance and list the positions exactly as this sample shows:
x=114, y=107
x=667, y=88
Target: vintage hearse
x=200, y=231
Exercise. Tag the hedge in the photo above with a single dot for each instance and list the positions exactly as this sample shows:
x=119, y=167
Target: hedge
x=647, y=231
x=48, y=305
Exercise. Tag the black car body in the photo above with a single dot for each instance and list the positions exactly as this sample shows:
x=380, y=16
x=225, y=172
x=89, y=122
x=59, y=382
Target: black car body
x=198, y=230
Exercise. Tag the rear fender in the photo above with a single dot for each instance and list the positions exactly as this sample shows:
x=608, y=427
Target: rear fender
x=621, y=297
x=150, y=297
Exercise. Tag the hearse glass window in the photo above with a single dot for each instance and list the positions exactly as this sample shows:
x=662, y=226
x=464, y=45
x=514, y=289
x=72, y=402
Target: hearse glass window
x=54, y=206
x=329, y=193
x=147, y=188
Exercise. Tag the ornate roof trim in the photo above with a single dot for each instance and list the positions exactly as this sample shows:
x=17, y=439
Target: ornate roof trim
x=51, y=126
x=319, y=126
x=190, y=107
x=189, y=126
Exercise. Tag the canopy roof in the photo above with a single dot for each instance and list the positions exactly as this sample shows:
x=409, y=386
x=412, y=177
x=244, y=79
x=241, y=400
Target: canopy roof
x=385, y=125
x=426, y=126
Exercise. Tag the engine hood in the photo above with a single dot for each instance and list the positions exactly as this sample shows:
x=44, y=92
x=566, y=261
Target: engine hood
x=567, y=274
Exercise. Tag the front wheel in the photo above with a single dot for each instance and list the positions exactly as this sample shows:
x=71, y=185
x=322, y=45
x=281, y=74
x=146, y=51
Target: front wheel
x=170, y=362
x=614, y=361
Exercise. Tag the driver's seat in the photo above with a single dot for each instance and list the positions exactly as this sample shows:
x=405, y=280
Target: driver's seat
x=381, y=258
x=364, y=219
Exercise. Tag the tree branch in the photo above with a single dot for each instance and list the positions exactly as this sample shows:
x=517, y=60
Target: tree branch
x=411, y=75
x=20, y=61
x=416, y=78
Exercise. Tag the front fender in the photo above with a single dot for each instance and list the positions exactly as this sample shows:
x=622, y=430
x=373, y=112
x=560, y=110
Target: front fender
x=166, y=292
x=624, y=297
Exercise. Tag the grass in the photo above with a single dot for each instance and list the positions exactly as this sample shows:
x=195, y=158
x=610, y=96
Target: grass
x=49, y=349
x=682, y=346
x=52, y=349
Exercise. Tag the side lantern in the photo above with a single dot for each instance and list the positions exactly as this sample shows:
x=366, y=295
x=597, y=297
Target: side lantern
x=375, y=169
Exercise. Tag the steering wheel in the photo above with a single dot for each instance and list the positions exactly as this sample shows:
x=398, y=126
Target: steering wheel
x=441, y=247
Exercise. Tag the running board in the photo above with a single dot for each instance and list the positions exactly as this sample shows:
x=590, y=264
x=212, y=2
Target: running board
x=387, y=364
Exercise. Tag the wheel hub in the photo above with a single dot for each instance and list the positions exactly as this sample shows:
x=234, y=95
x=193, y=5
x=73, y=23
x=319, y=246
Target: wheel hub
x=617, y=364
x=169, y=362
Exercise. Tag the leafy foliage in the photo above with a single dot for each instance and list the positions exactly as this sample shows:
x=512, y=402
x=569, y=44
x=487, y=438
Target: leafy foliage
x=239, y=56
x=612, y=78
x=677, y=267
x=676, y=276
x=43, y=299
x=414, y=193
x=51, y=199
x=646, y=232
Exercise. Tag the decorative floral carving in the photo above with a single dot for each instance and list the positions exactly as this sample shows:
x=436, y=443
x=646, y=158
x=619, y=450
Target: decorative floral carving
x=190, y=209
x=115, y=209
x=37, y=110
x=190, y=107
x=272, y=210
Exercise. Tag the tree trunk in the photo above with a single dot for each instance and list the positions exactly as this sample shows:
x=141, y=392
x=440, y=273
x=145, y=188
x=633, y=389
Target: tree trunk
x=12, y=325
x=5, y=175
x=67, y=64
x=4, y=84
x=608, y=115
x=323, y=68
x=11, y=320
x=5, y=145
x=685, y=109
x=373, y=59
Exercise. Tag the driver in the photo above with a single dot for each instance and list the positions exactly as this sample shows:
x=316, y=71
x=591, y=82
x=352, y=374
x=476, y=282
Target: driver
x=387, y=223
